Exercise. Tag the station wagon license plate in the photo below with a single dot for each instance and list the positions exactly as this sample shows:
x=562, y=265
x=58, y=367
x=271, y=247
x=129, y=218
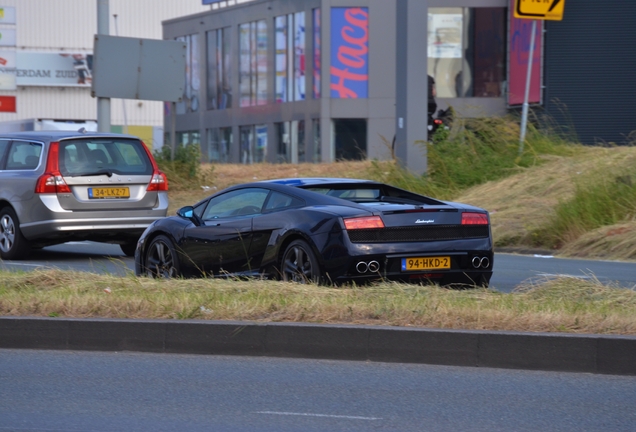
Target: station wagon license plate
x=108, y=192
x=426, y=263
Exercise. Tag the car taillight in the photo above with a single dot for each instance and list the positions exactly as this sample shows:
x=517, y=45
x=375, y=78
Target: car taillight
x=474, y=219
x=52, y=181
x=364, y=222
x=159, y=181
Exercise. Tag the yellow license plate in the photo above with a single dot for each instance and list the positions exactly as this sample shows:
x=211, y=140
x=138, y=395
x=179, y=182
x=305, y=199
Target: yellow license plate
x=426, y=263
x=109, y=192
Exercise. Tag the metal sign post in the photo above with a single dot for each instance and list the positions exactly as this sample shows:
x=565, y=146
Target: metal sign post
x=103, y=103
x=524, y=112
x=534, y=10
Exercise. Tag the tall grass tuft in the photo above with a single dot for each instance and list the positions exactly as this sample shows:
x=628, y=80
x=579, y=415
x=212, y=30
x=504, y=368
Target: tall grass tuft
x=599, y=200
x=487, y=149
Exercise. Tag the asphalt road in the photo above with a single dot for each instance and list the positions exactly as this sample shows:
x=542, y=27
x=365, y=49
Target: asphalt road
x=90, y=391
x=510, y=269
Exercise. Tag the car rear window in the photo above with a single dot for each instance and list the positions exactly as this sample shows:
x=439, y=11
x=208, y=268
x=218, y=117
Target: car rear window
x=351, y=193
x=372, y=193
x=90, y=156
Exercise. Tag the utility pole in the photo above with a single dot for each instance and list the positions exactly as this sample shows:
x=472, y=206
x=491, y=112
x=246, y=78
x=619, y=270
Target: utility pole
x=103, y=104
x=123, y=101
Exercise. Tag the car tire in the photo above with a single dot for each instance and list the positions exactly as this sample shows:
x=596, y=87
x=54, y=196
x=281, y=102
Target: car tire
x=128, y=248
x=299, y=264
x=161, y=260
x=13, y=245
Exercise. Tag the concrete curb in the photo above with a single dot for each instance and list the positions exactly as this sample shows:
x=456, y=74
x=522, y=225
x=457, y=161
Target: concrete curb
x=535, y=351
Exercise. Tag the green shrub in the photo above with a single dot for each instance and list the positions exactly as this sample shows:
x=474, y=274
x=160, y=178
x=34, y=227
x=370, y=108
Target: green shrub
x=184, y=171
x=486, y=149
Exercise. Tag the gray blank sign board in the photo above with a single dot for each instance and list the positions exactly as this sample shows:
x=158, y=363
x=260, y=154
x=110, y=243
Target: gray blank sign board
x=131, y=68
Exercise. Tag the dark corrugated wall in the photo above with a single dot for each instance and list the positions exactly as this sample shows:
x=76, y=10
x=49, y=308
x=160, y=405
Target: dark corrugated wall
x=590, y=70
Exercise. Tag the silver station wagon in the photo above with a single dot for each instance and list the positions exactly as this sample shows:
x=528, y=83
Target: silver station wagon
x=60, y=186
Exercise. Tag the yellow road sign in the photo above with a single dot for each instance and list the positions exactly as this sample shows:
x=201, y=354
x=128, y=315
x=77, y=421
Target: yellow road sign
x=539, y=9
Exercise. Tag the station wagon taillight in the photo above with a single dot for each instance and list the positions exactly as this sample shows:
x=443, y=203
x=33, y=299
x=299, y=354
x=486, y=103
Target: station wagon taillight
x=52, y=181
x=365, y=222
x=469, y=218
x=159, y=181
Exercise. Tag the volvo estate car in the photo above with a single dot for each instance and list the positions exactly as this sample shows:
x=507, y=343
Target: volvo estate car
x=60, y=186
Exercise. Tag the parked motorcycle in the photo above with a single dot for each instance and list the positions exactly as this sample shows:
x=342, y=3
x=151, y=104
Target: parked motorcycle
x=442, y=120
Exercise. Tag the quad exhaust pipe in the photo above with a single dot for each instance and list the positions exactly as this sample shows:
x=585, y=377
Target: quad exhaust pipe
x=480, y=262
x=371, y=266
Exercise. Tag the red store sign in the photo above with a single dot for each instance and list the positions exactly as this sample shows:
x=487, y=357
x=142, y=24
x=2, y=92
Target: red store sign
x=7, y=104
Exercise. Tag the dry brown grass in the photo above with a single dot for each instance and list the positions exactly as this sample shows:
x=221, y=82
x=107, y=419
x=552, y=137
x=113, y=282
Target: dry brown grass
x=521, y=204
x=560, y=305
x=616, y=242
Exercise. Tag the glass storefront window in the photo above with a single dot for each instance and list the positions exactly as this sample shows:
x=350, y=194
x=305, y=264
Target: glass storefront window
x=317, y=156
x=245, y=74
x=299, y=56
x=253, y=139
x=219, y=144
x=219, y=88
x=291, y=142
x=298, y=134
x=317, y=53
x=192, y=87
x=283, y=155
x=253, y=63
x=187, y=138
x=466, y=51
x=260, y=151
x=261, y=62
x=350, y=136
x=247, y=137
x=281, y=58
x=290, y=57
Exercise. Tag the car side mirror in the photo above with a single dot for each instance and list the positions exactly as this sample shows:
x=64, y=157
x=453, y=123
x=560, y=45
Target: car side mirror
x=187, y=212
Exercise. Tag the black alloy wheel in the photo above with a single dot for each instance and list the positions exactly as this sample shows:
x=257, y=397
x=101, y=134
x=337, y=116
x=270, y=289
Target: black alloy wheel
x=299, y=263
x=13, y=245
x=161, y=259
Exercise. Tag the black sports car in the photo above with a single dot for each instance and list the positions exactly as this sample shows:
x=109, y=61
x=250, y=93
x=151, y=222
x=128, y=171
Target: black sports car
x=327, y=230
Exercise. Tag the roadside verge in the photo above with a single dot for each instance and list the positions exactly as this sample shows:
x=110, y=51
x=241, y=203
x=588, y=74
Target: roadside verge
x=604, y=354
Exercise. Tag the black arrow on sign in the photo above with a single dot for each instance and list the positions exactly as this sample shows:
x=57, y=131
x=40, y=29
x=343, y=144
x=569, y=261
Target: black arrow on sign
x=554, y=3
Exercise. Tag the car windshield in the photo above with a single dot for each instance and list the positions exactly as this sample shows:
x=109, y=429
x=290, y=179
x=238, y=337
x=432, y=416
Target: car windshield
x=86, y=157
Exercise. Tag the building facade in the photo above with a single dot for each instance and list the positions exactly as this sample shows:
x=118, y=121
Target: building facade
x=323, y=80
x=287, y=81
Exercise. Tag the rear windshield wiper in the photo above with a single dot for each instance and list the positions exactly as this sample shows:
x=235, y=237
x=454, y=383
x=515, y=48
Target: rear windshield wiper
x=107, y=172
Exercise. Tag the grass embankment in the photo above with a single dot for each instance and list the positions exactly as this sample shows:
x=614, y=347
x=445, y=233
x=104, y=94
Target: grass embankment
x=560, y=305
